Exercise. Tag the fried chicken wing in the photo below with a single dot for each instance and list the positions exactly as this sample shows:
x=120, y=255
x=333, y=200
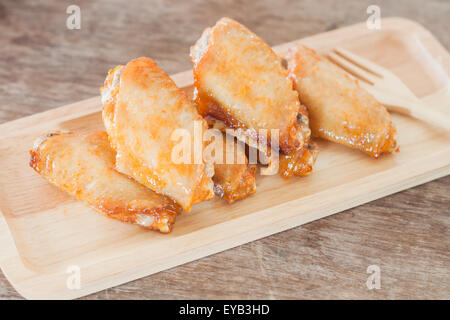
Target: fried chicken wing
x=240, y=81
x=339, y=109
x=143, y=108
x=83, y=166
x=299, y=162
x=233, y=178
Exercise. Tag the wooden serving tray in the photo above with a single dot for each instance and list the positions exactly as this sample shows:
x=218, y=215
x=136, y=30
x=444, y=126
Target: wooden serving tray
x=43, y=231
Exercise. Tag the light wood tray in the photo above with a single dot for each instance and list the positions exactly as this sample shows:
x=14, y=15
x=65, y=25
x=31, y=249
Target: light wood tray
x=43, y=231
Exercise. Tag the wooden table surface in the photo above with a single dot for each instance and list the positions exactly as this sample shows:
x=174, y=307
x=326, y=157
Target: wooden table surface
x=44, y=65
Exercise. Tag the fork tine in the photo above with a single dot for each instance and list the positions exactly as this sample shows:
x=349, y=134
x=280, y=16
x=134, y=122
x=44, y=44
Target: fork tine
x=363, y=63
x=371, y=89
x=352, y=68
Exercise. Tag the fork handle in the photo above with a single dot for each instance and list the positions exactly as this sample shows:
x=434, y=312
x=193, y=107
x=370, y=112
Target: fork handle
x=419, y=110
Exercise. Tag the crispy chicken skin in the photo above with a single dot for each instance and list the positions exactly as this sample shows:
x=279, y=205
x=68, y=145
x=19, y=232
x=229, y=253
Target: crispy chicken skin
x=142, y=109
x=83, y=166
x=239, y=80
x=299, y=162
x=236, y=180
x=339, y=109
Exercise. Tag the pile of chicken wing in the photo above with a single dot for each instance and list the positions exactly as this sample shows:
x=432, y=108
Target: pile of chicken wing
x=259, y=115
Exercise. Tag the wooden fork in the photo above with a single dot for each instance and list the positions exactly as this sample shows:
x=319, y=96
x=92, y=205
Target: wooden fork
x=387, y=88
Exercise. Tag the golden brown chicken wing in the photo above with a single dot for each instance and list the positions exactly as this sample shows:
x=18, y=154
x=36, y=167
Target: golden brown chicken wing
x=240, y=81
x=299, y=162
x=143, y=110
x=83, y=166
x=233, y=178
x=339, y=109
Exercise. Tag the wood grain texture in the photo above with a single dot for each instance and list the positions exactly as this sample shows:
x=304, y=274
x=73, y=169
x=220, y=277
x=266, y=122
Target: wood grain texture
x=44, y=65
